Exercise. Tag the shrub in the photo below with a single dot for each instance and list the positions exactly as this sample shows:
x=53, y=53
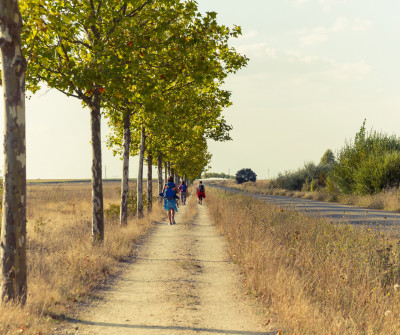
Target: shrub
x=309, y=178
x=368, y=165
x=113, y=210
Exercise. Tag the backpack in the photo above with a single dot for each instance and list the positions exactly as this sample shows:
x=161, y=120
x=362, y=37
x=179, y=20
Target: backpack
x=183, y=188
x=201, y=188
x=169, y=193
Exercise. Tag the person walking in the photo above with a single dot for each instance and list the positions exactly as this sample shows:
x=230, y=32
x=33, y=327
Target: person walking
x=183, y=188
x=201, y=192
x=170, y=201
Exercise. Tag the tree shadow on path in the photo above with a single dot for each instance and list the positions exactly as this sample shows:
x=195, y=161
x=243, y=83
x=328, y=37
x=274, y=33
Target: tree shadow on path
x=178, y=328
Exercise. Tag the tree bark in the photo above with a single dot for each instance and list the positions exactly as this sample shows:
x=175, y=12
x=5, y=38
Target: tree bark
x=149, y=182
x=125, y=171
x=97, y=180
x=140, y=174
x=165, y=173
x=13, y=283
x=159, y=170
x=169, y=169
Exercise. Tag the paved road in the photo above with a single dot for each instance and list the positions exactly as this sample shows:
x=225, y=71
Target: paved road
x=337, y=212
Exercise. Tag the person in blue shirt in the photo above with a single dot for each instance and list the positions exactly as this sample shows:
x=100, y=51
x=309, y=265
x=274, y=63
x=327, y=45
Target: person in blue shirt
x=182, y=187
x=170, y=199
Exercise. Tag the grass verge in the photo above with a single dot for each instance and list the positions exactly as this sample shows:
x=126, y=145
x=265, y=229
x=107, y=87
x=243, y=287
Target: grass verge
x=63, y=267
x=316, y=277
x=388, y=200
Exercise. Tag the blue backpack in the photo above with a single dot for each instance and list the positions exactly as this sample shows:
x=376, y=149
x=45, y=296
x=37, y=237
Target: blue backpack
x=169, y=193
x=183, y=188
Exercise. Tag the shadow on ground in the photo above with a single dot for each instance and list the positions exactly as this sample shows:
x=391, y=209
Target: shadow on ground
x=194, y=329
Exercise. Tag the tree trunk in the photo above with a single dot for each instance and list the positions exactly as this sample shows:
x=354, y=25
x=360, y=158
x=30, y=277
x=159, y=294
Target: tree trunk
x=169, y=169
x=159, y=170
x=140, y=174
x=165, y=172
x=149, y=182
x=13, y=284
x=125, y=171
x=97, y=180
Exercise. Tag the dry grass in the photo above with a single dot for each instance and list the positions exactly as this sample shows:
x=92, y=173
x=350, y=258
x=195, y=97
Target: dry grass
x=319, y=278
x=64, y=268
x=388, y=200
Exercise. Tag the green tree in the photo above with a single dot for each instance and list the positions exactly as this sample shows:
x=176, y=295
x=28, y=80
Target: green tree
x=327, y=158
x=245, y=175
x=79, y=48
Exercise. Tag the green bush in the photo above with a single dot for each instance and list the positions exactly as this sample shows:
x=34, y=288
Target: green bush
x=332, y=189
x=309, y=178
x=369, y=165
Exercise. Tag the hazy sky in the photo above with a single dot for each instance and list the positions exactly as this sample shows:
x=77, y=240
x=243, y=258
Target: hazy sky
x=317, y=69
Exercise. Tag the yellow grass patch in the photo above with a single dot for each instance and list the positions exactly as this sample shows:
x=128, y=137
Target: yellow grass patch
x=314, y=276
x=63, y=266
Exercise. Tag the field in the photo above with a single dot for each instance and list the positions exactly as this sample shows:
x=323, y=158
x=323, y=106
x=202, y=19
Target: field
x=64, y=268
x=313, y=276
x=310, y=276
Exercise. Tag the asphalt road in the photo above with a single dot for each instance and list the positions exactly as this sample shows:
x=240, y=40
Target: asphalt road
x=338, y=213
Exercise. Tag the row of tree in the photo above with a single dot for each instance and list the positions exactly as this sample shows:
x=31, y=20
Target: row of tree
x=216, y=175
x=154, y=68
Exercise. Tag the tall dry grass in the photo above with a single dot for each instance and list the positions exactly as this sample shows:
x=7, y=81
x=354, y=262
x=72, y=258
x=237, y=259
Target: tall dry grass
x=314, y=276
x=63, y=266
x=388, y=199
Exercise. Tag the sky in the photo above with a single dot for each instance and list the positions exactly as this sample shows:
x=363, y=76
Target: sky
x=317, y=69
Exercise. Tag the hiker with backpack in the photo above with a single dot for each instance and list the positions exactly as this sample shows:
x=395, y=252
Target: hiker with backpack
x=182, y=187
x=170, y=199
x=201, y=192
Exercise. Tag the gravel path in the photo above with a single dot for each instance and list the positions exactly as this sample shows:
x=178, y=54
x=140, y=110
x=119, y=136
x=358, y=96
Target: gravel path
x=181, y=283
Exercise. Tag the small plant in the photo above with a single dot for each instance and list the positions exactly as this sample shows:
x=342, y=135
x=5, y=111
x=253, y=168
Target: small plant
x=113, y=210
x=40, y=225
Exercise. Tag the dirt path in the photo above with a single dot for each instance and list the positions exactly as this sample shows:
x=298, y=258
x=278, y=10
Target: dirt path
x=181, y=283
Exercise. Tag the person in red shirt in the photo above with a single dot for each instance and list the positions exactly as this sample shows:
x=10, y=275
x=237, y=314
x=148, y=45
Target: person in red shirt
x=201, y=192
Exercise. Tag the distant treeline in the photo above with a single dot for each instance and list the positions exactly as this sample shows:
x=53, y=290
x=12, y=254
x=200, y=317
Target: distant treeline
x=368, y=164
x=217, y=175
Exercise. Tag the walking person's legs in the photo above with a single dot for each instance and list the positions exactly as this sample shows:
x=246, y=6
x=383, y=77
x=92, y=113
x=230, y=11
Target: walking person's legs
x=169, y=216
x=173, y=216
